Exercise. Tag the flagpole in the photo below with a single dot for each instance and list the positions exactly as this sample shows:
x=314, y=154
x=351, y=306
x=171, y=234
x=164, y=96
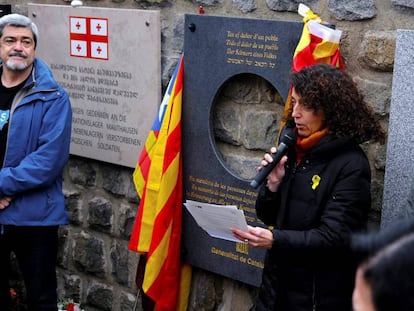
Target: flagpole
x=136, y=300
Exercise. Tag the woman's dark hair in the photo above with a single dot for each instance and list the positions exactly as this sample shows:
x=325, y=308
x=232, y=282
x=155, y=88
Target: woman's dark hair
x=331, y=90
x=390, y=274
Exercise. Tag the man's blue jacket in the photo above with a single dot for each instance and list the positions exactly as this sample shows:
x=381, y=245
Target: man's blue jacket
x=36, y=152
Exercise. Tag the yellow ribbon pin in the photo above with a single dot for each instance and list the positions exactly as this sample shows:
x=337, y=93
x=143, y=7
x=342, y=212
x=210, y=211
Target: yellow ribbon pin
x=315, y=181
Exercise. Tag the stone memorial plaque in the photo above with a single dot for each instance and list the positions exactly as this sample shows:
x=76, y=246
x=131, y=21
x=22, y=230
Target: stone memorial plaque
x=399, y=169
x=215, y=50
x=108, y=60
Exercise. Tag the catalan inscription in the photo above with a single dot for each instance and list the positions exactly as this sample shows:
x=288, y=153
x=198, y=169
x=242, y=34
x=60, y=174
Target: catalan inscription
x=216, y=50
x=214, y=192
x=252, y=49
x=238, y=258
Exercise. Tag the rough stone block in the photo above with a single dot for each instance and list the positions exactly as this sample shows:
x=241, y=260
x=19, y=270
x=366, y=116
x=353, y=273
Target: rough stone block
x=74, y=206
x=88, y=254
x=119, y=259
x=126, y=221
x=100, y=296
x=100, y=214
x=82, y=173
x=352, y=10
x=378, y=49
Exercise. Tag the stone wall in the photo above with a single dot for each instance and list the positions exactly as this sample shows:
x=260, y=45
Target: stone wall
x=94, y=263
x=95, y=266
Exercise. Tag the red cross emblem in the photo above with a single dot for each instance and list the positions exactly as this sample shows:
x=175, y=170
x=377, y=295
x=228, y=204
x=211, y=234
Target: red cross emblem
x=89, y=37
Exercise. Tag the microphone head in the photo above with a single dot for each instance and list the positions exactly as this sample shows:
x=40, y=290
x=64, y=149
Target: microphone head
x=287, y=140
x=289, y=136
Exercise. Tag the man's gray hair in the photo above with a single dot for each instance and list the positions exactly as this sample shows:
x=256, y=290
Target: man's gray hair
x=18, y=20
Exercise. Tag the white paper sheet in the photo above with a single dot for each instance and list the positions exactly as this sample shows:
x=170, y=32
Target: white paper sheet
x=217, y=220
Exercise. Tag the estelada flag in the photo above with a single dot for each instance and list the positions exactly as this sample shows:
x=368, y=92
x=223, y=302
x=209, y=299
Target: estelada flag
x=319, y=43
x=158, y=180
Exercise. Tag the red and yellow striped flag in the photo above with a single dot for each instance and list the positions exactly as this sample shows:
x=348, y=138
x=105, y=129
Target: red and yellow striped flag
x=158, y=179
x=318, y=44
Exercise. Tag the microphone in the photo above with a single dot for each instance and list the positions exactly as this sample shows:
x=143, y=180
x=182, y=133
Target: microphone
x=288, y=140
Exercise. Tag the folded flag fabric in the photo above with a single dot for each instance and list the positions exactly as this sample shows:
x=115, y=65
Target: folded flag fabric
x=158, y=180
x=319, y=43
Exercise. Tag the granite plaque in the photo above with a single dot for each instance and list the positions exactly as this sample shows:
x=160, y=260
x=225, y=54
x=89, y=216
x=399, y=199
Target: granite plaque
x=216, y=49
x=399, y=170
x=108, y=60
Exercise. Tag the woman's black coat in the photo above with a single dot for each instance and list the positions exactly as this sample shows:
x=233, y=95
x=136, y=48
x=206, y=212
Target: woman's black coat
x=319, y=204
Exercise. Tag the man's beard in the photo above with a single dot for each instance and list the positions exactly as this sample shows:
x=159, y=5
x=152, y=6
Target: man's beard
x=16, y=66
